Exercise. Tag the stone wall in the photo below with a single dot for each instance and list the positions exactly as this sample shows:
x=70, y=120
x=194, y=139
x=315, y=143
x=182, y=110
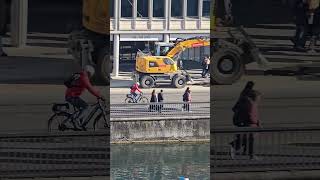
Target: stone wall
x=197, y=129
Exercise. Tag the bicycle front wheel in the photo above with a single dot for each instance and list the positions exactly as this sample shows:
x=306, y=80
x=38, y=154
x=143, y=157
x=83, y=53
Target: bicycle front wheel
x=55, y=123
x=101, y=122
x=129, y=100
x=144, y=100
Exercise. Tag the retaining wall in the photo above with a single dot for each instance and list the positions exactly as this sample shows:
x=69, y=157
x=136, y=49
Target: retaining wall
x=160, y=130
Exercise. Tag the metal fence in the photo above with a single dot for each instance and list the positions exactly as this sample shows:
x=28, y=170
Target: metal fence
x=160, y=110
x=80, y=154
x=245, y=149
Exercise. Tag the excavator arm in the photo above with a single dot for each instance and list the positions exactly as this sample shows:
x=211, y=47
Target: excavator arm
x=188, y=43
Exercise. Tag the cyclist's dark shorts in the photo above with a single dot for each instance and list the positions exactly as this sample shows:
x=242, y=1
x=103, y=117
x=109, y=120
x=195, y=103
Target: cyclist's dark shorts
x=77, y=102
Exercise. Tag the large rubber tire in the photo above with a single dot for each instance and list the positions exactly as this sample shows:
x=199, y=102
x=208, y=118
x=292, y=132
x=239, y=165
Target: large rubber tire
x=226, y=67
x=103, y=67
x=179, y=81
x=147, y=82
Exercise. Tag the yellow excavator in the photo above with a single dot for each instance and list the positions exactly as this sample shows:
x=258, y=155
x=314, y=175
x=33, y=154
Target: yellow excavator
x=151, y=70
x=90, y=45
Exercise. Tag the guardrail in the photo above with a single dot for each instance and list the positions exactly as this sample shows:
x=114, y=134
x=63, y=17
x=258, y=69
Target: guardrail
x=137, y=110
x=273, y=149
x=45, y=155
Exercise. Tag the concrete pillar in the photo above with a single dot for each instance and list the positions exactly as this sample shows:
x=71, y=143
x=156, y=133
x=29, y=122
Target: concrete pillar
x=116, y=56
x=200, y=5
x=150, y=14
x=166, y=38
x=117, y=11
x=19, y=22
x=184, y=12
x=135, y=12
x=167, y=13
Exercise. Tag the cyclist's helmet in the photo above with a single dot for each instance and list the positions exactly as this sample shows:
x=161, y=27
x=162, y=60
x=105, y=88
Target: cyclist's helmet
x=138, y=83
x=90, y=70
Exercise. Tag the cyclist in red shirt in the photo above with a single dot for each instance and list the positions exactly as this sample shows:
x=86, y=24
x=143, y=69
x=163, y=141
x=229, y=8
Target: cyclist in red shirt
x=79, y=85
x=134, y=89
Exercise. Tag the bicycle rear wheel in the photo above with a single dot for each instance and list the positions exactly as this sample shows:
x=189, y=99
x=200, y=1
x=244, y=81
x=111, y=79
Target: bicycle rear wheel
x=55, y=123
x=129, y=100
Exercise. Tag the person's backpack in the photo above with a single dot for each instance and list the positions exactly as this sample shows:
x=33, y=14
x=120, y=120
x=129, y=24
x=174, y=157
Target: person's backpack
x=72, y=81
x=241, y=116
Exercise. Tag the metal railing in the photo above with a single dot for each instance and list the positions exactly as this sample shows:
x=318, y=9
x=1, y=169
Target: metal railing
x=137, y=110
x=35, y=155
x=269, y=149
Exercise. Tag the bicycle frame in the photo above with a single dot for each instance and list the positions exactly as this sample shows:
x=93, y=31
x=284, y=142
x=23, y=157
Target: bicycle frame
x=97, y=106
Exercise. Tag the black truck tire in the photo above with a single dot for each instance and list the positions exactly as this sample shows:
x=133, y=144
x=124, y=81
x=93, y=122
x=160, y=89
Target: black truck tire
x=179, y=81
x=227, y=67
x=147, y=81
x=103, y=67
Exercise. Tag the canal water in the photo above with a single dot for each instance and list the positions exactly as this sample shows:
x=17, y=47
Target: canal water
x=160, y=161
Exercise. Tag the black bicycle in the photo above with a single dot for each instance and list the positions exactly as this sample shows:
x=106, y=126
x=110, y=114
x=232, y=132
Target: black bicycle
x=65, y=119
x=140, y=99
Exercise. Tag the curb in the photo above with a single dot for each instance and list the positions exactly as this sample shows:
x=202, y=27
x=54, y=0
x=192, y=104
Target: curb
x=160, y=118
x=169, y=141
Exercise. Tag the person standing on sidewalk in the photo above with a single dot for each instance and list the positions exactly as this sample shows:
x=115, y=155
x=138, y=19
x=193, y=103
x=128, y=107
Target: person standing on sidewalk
x=301, y=21
x=153, y=100
x=247, y=114
x=241, y=118
x=254, y=98
x=205, y=66
x=160, y=100
x=187, y=100
x=313, y=8
x=4, y=21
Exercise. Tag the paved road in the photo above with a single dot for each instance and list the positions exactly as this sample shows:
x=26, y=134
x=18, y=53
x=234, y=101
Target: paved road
x=286, y=101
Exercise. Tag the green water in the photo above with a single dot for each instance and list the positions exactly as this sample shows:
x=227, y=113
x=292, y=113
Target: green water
x=160, y=161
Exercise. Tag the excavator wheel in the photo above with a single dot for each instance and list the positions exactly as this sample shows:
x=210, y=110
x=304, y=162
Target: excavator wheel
x=147, y=81
x=103, y=67
x=227, y=67
x=179, y=81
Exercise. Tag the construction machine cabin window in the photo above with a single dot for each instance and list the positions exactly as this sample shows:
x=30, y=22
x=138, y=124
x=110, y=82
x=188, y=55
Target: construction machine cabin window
x=127, y=8
x=158, y=8
x=176, y=8
x=142, y=8
x=195, y=54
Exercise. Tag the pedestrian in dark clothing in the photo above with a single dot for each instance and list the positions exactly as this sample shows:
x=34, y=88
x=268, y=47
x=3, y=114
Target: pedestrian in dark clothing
x=187, y=99
x=301, y=21
x=247, y=89
x=245, y=115
x=313, y=23
x=205, y=66
x=160, y=100
x=153, y=100
x=4, y=21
